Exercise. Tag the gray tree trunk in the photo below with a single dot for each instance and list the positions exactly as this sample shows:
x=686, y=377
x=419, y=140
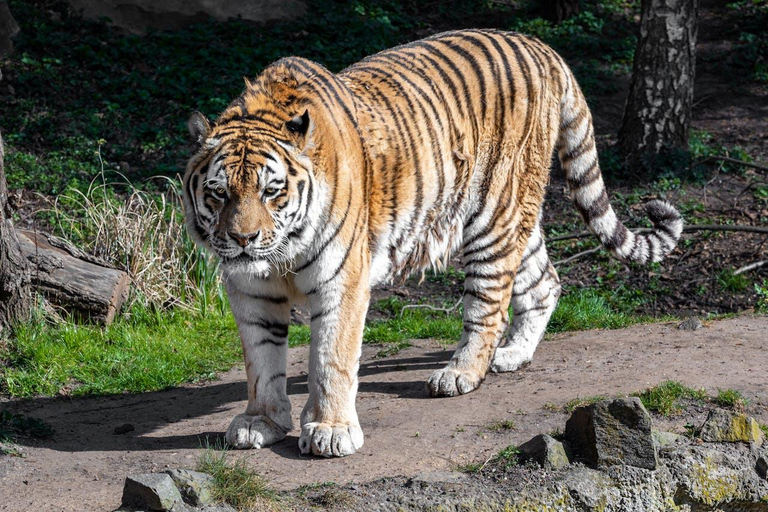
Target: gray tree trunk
x=657, y=117
x=559, y=10
x=8, y=29
x=15, y=288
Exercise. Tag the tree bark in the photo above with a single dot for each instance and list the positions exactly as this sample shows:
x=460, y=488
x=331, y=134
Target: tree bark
x=657, y=117
x=8, y=29
x=15, y=288
x=558, y=10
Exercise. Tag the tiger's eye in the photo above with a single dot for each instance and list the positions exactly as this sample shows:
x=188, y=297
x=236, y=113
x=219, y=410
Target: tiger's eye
x=270, y=191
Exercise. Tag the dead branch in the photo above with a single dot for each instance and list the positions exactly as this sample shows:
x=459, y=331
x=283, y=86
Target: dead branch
x=431, y=308
x=751, y=266
x=732, y=161
x=577, y=256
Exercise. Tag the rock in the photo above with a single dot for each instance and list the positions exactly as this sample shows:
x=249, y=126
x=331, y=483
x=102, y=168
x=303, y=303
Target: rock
x=196, y=488
x=690, y=324
x=612, y=432
x=546, y=451
x=124, y=429
x=724, y=426
x=662, y=439
x=152, y=491
x=138, y=15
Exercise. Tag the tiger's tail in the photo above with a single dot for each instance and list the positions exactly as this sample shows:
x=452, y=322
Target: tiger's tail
x=578, y=157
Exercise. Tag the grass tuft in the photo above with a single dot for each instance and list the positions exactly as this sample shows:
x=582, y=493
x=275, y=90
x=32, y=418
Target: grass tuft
x=235, y=483
x=144, y=235
x=730, y=398
x=664, y=397
x=574, y=404
x=500, y=426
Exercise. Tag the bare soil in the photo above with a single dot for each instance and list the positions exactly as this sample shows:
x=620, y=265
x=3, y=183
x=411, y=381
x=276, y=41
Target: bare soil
x=83, y=466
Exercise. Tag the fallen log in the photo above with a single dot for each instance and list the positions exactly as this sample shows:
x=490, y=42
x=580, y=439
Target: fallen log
x=81, y=284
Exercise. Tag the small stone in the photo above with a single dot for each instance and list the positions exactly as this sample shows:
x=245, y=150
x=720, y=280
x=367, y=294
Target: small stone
x=690, y=324
x=124, y=429
x=196, y=488
x=663, y=439
x=612, y=432
x=546, y=451
x=152, y=491
x=723, y=426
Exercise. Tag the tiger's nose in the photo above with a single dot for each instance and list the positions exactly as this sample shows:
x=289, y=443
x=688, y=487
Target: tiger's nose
x=243, y=239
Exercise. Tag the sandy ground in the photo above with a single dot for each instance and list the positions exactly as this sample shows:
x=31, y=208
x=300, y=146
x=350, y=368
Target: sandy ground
x=83, y=466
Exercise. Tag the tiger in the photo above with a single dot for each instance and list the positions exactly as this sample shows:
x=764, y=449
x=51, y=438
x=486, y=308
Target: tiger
x=314, y=186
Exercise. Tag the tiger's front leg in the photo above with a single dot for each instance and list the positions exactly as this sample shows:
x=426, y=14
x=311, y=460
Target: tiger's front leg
x=262, y=320
x=339, y=302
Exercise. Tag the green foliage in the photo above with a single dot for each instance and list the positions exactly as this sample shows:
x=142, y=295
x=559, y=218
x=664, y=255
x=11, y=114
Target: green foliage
x=78, y=81
x=505, y=459
x=762, y=297
x=13, y=426
x=147, y=350
x=414, y=323
x=730, y=398
x=591, y=309
x=731, y=282
x=235, y=482
x=664, y=398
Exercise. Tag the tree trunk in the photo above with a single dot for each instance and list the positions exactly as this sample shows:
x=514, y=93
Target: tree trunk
x=8, y=29
x=15, y=289
x=657, y=117
x=558, y=10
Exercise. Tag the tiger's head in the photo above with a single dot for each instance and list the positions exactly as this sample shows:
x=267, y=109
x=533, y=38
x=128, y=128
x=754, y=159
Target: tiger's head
x=250, y=188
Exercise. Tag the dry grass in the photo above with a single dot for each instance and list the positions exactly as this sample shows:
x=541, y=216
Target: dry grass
x=143, y=234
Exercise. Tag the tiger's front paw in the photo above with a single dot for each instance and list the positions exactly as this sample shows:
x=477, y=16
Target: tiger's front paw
x=452, y=382
x=247, y=431
x=328, y=440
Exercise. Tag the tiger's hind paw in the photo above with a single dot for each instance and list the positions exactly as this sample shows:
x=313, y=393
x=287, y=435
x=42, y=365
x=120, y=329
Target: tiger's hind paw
x=510, y=359
x=248, y=431
x=452, y=382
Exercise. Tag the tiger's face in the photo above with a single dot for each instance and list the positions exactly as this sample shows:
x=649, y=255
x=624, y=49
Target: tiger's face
x=248, y=191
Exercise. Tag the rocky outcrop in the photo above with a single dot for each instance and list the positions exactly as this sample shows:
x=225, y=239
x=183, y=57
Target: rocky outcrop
x=544, y=450
x=139, y=15
x=176, y=490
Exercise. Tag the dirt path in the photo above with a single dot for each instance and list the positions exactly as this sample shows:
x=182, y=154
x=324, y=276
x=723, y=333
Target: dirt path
x=83, y=467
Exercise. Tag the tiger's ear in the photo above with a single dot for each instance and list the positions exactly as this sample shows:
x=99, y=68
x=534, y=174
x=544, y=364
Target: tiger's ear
x=199, y=127
x=299, y=124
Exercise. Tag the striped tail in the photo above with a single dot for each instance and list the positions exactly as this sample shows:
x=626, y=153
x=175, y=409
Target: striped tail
x=578, y=157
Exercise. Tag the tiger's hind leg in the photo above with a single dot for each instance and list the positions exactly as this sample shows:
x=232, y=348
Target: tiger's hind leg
x=488, y=285
x=534, y=298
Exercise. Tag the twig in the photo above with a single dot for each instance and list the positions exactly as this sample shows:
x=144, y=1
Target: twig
x=686, y=229
x=731, y=160
x=431, y=308
x=751, y=266
x=577, y=256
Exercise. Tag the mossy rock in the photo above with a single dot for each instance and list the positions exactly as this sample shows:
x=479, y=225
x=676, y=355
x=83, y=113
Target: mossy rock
x=723, y=426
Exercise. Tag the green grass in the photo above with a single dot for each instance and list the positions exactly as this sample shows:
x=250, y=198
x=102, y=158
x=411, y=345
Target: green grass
x=574, y=404
x=730, y=398
x=764, y=428
x=505, y=459
x=586, y=309
x=235, y=483
x=500, y=426
x=732, y=283
x=664, y=398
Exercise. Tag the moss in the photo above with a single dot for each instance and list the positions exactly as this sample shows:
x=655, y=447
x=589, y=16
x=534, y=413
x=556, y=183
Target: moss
x=712, y=487
x=558, y=500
